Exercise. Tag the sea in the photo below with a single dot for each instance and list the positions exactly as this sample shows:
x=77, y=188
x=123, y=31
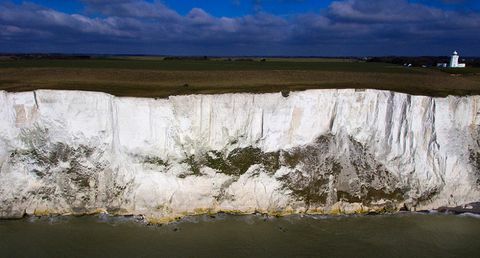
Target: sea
x=223, y=235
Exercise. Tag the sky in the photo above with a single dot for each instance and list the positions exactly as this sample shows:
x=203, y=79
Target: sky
x=242, y=27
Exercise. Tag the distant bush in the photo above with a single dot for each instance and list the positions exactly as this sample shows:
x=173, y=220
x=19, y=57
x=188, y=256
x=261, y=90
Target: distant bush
x=187, y=58
x=423, y=60
x=414, y=61
x=472, y=62
x=245, y=59
x=46, y=56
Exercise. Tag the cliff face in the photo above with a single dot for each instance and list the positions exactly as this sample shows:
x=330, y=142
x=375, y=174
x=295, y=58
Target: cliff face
x=318, y=151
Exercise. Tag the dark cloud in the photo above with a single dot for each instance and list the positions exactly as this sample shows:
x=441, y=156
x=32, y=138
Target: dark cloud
x=348, y=27
x=386, y=11
x=131, y=8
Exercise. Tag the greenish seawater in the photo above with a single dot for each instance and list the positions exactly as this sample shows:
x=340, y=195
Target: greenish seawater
x=404, y=235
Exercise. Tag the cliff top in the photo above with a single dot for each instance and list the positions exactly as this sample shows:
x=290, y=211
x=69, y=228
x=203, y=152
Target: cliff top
x=159, y=77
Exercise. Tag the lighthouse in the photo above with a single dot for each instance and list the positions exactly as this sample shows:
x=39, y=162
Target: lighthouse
x=454, y=61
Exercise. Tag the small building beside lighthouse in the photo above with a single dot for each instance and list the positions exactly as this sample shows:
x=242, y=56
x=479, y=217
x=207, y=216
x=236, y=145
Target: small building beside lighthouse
x=453, y=62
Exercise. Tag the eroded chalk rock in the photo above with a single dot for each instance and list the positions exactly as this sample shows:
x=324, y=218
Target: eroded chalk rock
x=317, y=151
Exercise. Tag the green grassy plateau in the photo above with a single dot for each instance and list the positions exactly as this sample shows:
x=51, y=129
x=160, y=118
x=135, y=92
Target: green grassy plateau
x=155, y=77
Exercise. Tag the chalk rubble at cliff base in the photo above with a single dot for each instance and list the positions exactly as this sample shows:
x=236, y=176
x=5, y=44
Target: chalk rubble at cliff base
x=316, y=151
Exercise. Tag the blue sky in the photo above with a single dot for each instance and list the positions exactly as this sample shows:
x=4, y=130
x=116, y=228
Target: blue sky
x=239, y=27
x=236, y=8
x=230, y=8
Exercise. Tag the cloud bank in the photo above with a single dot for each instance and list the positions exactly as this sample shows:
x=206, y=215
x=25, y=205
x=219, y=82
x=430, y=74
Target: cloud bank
x=346, y=27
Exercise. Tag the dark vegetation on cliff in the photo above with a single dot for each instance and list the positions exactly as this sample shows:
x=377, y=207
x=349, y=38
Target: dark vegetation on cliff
x=68, y=172
x=320, y=175
x=158, y=77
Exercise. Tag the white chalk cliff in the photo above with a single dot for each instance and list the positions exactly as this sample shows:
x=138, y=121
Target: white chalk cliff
x=317, y=151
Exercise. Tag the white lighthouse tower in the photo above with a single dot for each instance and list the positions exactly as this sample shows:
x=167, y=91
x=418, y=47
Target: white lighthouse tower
x=454, y=61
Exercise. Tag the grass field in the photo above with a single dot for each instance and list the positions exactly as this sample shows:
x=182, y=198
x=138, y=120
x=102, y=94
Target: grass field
x=155, y=77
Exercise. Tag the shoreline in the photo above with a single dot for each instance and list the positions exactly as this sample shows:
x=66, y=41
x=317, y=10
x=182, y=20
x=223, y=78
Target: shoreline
x=471, y=209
